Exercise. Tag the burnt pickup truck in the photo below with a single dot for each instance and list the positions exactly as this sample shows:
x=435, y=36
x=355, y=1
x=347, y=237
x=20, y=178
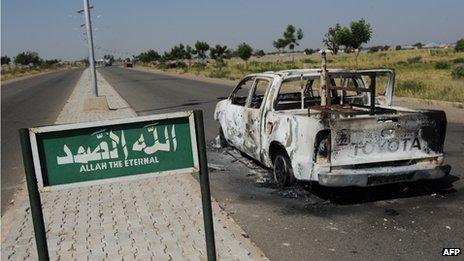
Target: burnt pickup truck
x=329, y=126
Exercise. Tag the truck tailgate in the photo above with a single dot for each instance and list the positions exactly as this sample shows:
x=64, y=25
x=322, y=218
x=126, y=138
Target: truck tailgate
x=386, y=138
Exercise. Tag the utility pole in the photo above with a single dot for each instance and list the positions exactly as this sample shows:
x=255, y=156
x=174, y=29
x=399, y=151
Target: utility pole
x=93, y=74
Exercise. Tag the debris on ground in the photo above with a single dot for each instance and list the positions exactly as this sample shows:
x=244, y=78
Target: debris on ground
x=391, y=212
x=216, y=167
x=216, y=143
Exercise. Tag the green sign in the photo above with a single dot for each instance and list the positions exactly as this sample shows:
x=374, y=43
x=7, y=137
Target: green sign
x=93, y=151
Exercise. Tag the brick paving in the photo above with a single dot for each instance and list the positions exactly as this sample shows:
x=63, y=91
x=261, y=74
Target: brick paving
x=146, y=219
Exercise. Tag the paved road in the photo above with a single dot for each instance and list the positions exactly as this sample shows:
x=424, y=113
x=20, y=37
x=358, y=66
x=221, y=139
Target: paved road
x=30, y=102
x=383, y=223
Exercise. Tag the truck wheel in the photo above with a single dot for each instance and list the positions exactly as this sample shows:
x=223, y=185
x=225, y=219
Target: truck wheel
x=222, y=139
x=283, y=172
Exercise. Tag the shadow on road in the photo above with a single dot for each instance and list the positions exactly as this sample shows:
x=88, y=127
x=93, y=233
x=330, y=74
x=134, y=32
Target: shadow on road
x=358, y=195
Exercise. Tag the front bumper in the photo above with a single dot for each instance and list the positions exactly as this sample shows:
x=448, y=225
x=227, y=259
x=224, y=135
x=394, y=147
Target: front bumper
x=381, y=175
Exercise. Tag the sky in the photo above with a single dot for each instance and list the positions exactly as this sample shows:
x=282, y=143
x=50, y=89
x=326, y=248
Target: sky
x=125, y=28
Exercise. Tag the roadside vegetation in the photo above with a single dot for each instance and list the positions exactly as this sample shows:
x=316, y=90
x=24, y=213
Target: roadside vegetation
x=435, y=73
x=29, y=63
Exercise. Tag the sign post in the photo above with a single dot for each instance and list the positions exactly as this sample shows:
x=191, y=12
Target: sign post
x=34, y=197
x=204, y=184
x=83, y=154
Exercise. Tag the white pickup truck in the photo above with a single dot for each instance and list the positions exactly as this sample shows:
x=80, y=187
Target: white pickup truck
x=330, y=127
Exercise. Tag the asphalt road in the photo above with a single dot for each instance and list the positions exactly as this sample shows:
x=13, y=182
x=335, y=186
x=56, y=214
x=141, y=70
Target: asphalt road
x=307, y=222
x=25, y=103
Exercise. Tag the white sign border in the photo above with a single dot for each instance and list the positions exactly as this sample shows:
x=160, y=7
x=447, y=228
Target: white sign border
x=75, y=126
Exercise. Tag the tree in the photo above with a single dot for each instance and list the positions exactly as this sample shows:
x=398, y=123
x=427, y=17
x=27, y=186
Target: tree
x=189, y=53
x=398, y=47
x=309, y=51
x=344, y=37
x=418, y=45
x=361, y=32
x=148, y=56
x=291, y=38
x=218, y=53
x=244, y=51
x=354, y=36
x=279, y=44
x=200, y=49
x=5, y=60
x=178, y=53
x=331, y=41
x=459, y=46
x=52, y=62
x=85, y=61
x=259, y=53
x=26, y=58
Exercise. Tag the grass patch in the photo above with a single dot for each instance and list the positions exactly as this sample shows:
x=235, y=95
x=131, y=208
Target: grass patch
x=422, y=73
x=409, y=86
x=458, y=72
x=442, y=65
x=22, y=72
x=414, y=59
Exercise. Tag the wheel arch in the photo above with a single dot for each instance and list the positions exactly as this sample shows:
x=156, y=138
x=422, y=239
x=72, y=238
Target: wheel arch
x=274, y=148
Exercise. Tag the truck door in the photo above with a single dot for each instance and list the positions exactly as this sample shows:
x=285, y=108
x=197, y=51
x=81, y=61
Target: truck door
x=235, y=113
x=253, y=117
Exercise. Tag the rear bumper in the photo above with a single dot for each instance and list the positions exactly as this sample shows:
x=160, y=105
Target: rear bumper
x=379, y=176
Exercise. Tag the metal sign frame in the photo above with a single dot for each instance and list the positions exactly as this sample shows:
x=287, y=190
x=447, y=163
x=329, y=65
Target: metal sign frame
x=76, y=126
x=33, y=172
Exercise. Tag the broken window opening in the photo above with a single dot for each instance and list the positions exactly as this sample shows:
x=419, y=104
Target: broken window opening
x=349, y=93
x=240, y=95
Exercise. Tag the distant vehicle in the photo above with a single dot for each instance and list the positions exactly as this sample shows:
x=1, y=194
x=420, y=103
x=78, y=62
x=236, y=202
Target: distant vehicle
x=108, y=61
x=128, y=64
x=328, y=126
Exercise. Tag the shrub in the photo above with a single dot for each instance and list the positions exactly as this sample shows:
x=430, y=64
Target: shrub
x=244, y=51
x=411, y=86
x=441, y=53
x=309, y=51
x=382, y=54
x=199, y=66
x=216, y=73
x=458, y=72
x=26, y=58
x=459, y=45
x=307, y=60
x=414, y=59
x=171, y=65
x=374, y=49
x=458, y=60
x=442, y=65
x=259, y=53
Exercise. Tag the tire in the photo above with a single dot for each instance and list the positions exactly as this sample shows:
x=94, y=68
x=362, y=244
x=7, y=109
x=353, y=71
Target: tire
x=222, y=139
x=283, y=172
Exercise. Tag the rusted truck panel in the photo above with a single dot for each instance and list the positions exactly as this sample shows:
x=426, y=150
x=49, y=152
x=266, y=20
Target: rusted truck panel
x=357, y=138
